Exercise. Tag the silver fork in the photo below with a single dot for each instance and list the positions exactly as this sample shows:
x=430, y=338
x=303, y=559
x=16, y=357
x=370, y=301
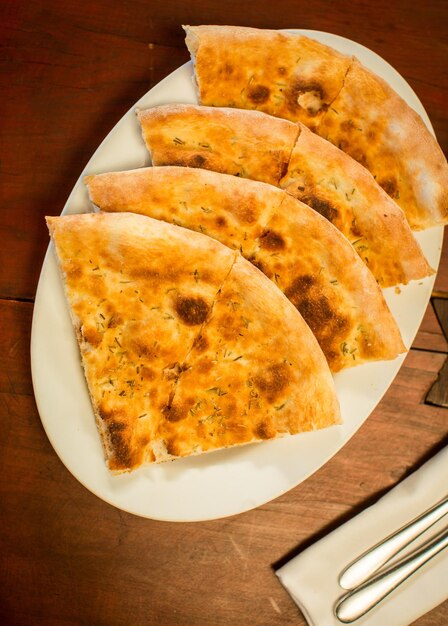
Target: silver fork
x=368, y=591
x=369, y=562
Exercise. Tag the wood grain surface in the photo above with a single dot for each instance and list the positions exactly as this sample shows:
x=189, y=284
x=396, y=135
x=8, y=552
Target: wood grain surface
x=68, y=72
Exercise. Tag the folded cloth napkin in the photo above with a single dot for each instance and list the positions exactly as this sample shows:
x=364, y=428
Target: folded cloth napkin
x=312, y=577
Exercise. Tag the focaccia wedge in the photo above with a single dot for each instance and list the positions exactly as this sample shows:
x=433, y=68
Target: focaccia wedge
x=289, y=76
x=147, y=299
x=245, y=379
x=249, y=144
x=255, y=145
x=297, y=78
x=302, y=252
x=370, y=122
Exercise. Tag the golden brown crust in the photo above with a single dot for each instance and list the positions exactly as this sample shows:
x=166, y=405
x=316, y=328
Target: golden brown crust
x=369, y=121
x=322, y=275
x=138, y=303
x=227, y=141
x=247, y=380
x=359, y=113
x=289, y=242
x=287, y=75
x=198, y=199
x=315, y=172
x=343, y=191
x=142, y=295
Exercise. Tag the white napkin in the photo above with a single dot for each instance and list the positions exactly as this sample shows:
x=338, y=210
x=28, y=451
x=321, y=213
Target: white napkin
x=312, y=577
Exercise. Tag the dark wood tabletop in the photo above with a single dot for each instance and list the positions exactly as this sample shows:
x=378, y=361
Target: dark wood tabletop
x=69, y=71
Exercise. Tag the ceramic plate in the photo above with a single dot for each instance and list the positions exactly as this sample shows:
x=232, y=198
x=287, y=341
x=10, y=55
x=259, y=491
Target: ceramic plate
x=225, y=482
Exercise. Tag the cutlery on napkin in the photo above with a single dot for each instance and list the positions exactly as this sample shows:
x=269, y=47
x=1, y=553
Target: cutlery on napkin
x=312, y=577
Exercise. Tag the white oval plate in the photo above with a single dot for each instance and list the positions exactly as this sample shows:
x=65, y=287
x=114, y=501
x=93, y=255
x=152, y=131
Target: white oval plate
x=225, y=482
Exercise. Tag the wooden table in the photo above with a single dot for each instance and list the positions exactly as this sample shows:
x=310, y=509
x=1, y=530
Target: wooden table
x=70, y=70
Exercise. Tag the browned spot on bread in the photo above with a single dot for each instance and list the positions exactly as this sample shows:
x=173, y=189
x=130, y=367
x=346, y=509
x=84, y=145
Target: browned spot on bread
x=301, y=87
x=325, y=208
x=284, y=169
x=355, y=228
x=200, y=343
x=196, y=160
x=122, y=455
x=264, y=430
x=221, y=221
x=91, y=335
x=347, y=126
x=142, y=349
x=192, y=311
x=270, y=240
x=114, y=321
x=257, y=263
x=390, y=187
x=281, y=70
x=258, y=94
x=328, y=327
x=228, y=68
x=331, y=355
x=299, y=287
x=73, y=272
x=358, y=155
x=172, y=447
x=316, y=311
x=174, y=413
x=273, y=380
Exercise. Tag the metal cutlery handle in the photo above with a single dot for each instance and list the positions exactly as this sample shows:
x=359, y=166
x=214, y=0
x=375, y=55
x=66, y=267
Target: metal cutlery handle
x=362, y=599
x=361, y=569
